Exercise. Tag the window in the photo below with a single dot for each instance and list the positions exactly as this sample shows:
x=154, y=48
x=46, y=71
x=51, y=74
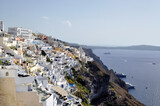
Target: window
x=7, y=74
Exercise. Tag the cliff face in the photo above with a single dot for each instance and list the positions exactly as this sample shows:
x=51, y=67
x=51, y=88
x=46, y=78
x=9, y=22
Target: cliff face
x=104, y=86
x=115, y=79
x=92, y=83
x=96, y=58
x=96, y=85
x=99, y=83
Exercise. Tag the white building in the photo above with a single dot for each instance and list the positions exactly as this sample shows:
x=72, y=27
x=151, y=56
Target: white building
x=22, y=32
x=51, y=101
x=1, y=51
x=1, y=26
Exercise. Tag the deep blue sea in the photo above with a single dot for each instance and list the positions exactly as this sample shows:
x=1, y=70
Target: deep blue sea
x=140, y=70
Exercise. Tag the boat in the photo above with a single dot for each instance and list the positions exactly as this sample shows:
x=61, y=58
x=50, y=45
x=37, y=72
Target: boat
x=107, y=53
x=154, y=63
x=130, y=86
x=121, y=75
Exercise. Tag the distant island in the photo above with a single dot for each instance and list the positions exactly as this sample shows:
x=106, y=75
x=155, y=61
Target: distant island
x=136, y=47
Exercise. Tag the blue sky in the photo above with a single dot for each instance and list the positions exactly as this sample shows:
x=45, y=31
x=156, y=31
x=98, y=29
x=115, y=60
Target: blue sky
x=91, y=22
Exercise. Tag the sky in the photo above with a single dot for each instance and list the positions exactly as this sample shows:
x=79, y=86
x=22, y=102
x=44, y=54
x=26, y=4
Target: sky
x=89, y=22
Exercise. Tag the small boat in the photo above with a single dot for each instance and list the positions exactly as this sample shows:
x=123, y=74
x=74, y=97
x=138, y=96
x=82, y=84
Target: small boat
x=154, y=63
x=121, y=75
x=107, y=53
x=130, y=86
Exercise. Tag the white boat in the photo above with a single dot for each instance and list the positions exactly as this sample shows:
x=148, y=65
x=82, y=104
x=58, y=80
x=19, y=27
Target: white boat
x=120, y=74
x=130, y=86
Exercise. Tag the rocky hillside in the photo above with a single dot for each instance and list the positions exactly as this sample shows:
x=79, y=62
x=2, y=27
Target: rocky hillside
x=96, y=58
x=104, y=87
x=96, y=85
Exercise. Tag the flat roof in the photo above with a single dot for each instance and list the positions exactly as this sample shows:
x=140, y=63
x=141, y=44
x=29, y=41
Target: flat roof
x=60, y=90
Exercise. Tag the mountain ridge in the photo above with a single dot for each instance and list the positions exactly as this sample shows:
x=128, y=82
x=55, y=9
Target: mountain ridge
x=134, y=47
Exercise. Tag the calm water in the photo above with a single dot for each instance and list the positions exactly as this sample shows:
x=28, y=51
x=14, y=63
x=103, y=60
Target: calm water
x=140, y=71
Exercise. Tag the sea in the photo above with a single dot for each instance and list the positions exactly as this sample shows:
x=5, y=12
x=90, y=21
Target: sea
x=142, y=68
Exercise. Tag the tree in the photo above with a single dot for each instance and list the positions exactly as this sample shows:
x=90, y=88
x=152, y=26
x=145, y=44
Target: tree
x=48, y=60
x=43, y=53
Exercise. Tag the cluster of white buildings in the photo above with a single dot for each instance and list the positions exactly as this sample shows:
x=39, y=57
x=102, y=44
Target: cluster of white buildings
x=38, y=67
x=21, y=32
x=16, y=31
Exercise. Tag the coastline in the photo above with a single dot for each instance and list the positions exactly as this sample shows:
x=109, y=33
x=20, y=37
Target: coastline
x=104, y=87
x=119, y=85
x=90, y=53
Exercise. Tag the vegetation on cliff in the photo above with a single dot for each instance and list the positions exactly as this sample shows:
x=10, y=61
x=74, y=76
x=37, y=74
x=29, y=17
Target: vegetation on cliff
x=96, y=86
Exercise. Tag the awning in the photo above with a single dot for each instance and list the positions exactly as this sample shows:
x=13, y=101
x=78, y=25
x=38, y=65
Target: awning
x=60, y=90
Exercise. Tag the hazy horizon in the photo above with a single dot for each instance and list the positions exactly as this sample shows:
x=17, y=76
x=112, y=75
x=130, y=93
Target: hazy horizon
x=117, y=45
x=92, y=22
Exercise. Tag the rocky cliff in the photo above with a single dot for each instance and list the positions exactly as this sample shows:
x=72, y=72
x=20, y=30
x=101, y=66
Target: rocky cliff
x=104, y=86
x=96, y=85
x=96, y=58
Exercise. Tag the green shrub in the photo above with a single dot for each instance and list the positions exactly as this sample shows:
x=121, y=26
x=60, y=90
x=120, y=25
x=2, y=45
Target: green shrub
x=82, y=68
x=28, y=61
x=25, y=53
x=69, y=80
x=48, y=59
x=13, y=48
x=66, y=66
x=1, y=63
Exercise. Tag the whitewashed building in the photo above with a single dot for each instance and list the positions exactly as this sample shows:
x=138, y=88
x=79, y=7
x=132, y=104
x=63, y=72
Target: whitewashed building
x=51, y=101
x=22, y=32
